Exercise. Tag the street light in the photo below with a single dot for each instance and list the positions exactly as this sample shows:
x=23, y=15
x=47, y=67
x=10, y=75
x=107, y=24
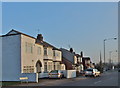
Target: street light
x=104, y=45
x=110, y=55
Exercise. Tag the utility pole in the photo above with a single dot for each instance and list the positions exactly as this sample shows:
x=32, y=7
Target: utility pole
x=100, y=63
x=110, y=60
x=104, y=47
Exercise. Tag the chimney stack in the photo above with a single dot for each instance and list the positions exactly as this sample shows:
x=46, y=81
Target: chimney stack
x=71, y=50
x=40, y=37
x=81, y=54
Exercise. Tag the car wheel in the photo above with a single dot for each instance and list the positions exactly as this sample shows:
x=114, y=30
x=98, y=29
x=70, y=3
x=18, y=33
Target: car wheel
x=95, y=75
x=60, y=77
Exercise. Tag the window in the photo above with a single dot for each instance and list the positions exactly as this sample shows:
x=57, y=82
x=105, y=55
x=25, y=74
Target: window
x=57, y=54
x=50, y=66
x=45, y=66
x=54, y=66
x=39, y=50
x=62, y=67
x=45, y=51
x=54, y=71
x=28, y=69
x=28, y=47
x=57, y=66
x=53, y=53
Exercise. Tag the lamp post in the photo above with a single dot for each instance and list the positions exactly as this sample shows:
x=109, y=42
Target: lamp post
x=110, y=56
x=110, y=52
x=104, y=45
x=101, y=66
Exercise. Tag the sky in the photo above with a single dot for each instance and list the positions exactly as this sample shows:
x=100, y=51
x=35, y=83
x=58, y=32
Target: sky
x=82, y=25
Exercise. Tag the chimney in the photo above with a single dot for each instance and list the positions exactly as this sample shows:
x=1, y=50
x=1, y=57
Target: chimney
x=71, y=50
x=40, y=37
x=81, y=54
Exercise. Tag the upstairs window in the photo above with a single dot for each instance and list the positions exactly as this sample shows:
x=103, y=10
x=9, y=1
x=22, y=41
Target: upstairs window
x=28, y=47
x=39, y=50
x=53, y=53
x=45, y=51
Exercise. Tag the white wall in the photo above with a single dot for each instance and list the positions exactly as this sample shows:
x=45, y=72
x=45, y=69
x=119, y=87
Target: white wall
x=32, y=77
x=75, y=60
x=69, y=73
x=0, y=59
x=62, y=66
x=30, y=59
x=11, y=58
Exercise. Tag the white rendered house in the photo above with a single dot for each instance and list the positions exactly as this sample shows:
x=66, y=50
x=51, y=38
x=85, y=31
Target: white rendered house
x=26, y=56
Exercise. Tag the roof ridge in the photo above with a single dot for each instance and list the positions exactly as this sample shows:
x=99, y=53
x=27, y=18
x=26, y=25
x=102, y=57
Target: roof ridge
x=18, y=32
x=68, y=60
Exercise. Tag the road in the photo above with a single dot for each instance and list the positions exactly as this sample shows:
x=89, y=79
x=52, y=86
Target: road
x=106, y=79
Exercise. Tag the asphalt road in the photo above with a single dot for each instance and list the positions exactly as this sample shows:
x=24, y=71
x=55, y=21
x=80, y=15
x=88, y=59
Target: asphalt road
x=106, y=79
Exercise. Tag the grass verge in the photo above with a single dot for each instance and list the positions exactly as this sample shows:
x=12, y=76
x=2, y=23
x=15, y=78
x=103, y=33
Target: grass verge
x=9, y=83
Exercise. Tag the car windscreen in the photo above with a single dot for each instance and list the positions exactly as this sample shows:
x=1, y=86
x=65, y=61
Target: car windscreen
x=89, y=70
x=55, y=71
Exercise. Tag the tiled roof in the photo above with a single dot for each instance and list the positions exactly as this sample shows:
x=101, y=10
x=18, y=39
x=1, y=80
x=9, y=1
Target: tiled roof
x=45, y=44
x=17, y=32
x=67, y=60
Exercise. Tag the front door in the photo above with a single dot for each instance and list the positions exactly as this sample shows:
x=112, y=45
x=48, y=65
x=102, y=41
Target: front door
x=38, y=67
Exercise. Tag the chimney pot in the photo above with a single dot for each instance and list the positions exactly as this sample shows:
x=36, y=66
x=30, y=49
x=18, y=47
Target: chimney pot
x=40, y=37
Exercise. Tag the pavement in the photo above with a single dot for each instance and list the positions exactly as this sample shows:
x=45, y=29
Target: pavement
x=52, y=82
x=109, y=78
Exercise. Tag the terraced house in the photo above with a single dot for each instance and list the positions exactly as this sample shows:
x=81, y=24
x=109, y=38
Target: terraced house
x=26, y=56
x=71, y=60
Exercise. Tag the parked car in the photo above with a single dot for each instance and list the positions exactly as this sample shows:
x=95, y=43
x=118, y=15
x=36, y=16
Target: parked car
x=119, y=70
x=92, y=72
x=82, y=72
x=56, y=74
